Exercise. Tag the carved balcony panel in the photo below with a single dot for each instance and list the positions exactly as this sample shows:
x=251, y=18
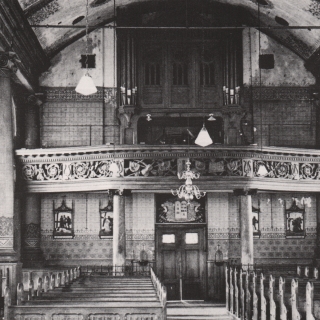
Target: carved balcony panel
x=156, y=168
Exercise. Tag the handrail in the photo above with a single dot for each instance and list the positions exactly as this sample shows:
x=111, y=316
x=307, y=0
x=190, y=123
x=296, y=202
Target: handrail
x=105, y=149
x=160, y=288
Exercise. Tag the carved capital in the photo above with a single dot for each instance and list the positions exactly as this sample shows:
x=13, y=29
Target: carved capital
x=8, y=61
x=125, y=113
x=110, y=95
x=33, y=100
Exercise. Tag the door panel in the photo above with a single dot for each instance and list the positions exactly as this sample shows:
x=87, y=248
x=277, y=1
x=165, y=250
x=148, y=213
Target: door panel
x=181, y=260
x=192, y=268
x=169, y=264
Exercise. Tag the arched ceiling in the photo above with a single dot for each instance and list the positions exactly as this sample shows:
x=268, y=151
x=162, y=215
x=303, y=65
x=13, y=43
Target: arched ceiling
x=273, y=13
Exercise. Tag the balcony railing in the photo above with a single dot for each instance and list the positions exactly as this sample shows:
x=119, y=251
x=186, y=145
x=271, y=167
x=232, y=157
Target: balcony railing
x=135, y=164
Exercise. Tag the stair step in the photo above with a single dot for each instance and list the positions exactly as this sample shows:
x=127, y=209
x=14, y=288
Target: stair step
x=199, y=317
x=83, y=298
x=113, y=290
x=97, y=294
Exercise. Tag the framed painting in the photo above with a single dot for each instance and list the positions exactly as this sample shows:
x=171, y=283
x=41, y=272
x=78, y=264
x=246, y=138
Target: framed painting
x=295, y=221
x=106, y=220
x=256, y=222
x=63, y=221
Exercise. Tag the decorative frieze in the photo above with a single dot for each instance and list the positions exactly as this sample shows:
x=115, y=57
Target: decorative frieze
x=64, y=94
x=124, y=164
x=277, y=93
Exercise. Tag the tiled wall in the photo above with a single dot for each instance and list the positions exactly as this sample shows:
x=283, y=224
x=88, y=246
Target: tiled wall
x=140, y=226
x=272, y=246
x=223, y=228
x=285, y=123
x=77, y=124
x=86, y=247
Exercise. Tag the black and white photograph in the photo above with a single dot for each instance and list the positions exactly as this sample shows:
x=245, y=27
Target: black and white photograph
x=160, y=159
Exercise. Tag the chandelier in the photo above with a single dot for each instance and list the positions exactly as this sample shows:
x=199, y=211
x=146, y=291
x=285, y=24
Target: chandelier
x=188, y=191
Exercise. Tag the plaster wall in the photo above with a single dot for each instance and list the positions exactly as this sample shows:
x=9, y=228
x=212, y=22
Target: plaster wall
x=288, y=68
x=65, y=70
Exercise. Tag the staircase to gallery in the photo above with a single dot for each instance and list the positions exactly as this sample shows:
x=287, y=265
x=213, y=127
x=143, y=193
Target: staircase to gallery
x=93, y=296
x=96, y=295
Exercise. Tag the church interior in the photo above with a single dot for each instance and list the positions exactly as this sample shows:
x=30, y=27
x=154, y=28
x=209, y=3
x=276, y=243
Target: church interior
x=159, y=159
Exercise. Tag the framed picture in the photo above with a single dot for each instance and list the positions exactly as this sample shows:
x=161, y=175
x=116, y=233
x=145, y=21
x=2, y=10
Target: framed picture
x=295, y=221
x=256, y=222
x=63, y=221
x=106, y=220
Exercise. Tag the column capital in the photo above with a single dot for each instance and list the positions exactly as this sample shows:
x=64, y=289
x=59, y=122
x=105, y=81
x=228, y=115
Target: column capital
x=8, y=62
x=245, y=192
x=33, y=100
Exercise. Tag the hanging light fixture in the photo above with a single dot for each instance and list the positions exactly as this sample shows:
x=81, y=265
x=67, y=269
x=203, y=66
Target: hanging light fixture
x=203, y=138
x=86, y=85
x=211, y=117
x=148, y=117
x=188, y=191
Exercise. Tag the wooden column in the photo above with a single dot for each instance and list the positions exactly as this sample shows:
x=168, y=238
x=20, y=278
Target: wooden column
x=31, y=232
x=31, y=235
x=9, y=244
x=317, y=249
x=7, y=251
x=246, y=229
x=32, y=123
x=119, y=233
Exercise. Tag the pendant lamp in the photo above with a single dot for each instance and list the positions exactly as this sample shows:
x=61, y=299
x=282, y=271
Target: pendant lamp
x=86, y=85
x=203, y=138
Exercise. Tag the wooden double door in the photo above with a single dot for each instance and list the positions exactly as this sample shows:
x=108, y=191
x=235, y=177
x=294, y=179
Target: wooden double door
x=181, y=260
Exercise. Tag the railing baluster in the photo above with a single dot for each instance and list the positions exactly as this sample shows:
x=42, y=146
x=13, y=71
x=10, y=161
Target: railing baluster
x=20, y=294
x=227, y=287
x=263, y=303
x=231, y=290
x=294, y=300
x=242, y=297
x=315, y=273
x=283, y=308
x=254, y=297
x=272, y=304
x=309, y=301
x=248, y=295
x=31, y=290
x=7, y=303
x=39, y=287
x=236, y=293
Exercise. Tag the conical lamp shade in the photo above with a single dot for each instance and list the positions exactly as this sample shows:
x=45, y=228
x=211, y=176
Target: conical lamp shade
x=203, y=138
x=86, y=85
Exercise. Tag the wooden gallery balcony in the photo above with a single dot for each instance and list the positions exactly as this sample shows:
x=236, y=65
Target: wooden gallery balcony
x=154, y=168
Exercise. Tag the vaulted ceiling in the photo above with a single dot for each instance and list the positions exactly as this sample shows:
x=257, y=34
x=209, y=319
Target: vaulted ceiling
x=276, y=14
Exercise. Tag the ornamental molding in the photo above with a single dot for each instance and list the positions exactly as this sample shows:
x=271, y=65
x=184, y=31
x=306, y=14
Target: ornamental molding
x=77, y=237
x=31, y=231
x=157, y=152
x=63, y=94
x=6, y=227
x=257, y=93
x=121, y=165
